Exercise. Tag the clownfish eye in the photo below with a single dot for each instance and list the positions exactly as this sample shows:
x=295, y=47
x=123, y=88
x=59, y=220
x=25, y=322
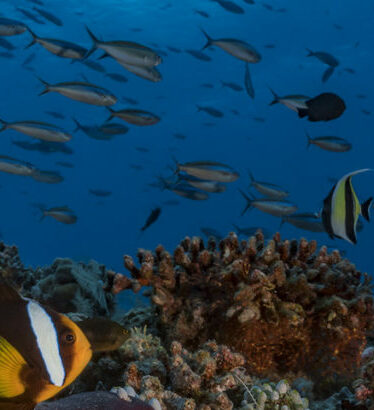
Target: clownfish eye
x=68, y=337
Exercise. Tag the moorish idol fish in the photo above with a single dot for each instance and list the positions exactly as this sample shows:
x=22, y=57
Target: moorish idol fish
x=341, y=209
x=41, y=351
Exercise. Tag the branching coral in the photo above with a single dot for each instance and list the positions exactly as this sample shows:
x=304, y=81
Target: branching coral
x=286, y=306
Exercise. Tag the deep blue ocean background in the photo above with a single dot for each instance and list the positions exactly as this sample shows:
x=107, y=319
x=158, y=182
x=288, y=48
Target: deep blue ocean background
x=274, y=150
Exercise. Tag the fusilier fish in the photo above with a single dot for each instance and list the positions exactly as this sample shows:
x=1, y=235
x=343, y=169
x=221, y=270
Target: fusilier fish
x=269, y=206
x=62, y=214
x=293, y=102
x=341, y=209
x=248, y=82
x=213, y=112
x=208, y=170
x=135, y=117
x=41, y=351
x=230, y=6
x=207, y=186
x=152, y=218
x=16, y=167
x=47, y=177
x=237, y=48
x=324, y=57
x=306, y=221
x=148, y=73
x=268, y=189
x=126, y=51
x=60, y=48
x=81, y=91
x=39, y=130
x=9, y=27
x=48, y=16
x=334, y=144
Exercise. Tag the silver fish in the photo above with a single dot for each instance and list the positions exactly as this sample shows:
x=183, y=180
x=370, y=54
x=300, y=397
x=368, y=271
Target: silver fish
x=16, y=167
x=293, y=102
x=334, y=144
x=306, y=221
x=208, y=170
x=269, y=206
x=81, y=91
x=62, y=214
x=10, y=27
x=39, y=130
x=268, y=189
x=148, y=73
x=60, y=48
x=237, y=48
x=126, y=51
x=47, y=177
x=207, y=186
x=324, y=57
x=135, y=117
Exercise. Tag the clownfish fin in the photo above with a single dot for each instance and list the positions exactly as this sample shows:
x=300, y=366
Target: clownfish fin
x=8, y=294
x=11, y=364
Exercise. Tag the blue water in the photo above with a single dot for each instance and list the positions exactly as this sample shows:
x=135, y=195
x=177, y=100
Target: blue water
x=274, y=150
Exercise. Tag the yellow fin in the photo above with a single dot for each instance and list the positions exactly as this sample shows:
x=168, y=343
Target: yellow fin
x=11, y=364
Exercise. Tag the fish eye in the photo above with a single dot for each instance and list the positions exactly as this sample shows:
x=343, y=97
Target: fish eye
x=68, y=337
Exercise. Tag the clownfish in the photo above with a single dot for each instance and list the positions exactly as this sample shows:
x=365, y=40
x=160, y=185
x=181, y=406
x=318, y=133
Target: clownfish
x=41, y=351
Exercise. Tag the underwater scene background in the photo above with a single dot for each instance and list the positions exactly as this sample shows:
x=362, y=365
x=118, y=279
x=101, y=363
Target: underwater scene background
x=208, y=111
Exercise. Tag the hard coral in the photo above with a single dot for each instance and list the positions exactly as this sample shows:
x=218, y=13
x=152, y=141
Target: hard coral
x=286, y=306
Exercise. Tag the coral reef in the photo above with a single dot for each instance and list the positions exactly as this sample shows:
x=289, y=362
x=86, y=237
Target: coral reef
x=364, y=384
x=288, y=307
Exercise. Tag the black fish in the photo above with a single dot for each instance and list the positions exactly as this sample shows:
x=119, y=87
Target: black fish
x=48, y=16
x=65, y=164
x=324, y=107
x=29, y=15
x=117, y=77
x=230, y=6
x=202, y=13
x=210, y=110
x=94, y=65
x=327, y=74
x=155, y=213
x=6, y=44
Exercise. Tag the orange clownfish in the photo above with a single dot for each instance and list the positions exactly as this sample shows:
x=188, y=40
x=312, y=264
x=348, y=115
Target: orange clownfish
x=41, y=351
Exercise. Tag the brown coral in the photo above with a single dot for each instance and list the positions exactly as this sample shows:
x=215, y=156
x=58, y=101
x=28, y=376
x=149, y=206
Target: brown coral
x=284, y=305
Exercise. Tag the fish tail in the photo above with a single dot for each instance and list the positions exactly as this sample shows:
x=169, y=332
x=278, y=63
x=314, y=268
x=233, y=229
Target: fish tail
x=94, y=42
x=365, y=208
x=42, y=208
x=249, y=202
x=176, y=165
x=310, y=52
x=209, y=40
x=46, y=85
x=111, y=113
x=77, y=124
x=3, y=125
x=276, y=97
x=34, y=38
x=251, y=177
x=309, y=140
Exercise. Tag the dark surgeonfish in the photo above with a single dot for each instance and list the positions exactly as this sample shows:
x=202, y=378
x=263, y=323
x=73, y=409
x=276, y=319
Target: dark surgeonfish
x=230, y=6
x=60, y=48
x=237, y=48
x=48, y=16
x=62, y=214
x=324, y=107
x=152, y=218
x=41, y=351
x=10, y=27
x=341, y=209
x=334, y=144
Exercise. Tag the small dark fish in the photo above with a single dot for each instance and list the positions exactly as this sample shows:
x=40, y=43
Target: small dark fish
x=38, y=2
x=199, y=55
x=171, y=202
x=6, y=54
x=248, y=82
x=349, y=70
x=211, y=232
x=117, y=77
x=249, y=1
x=233, y=86
x=6, y=44
x=129, y=100
x=207, y=85
x=179, y=136
x=65, y=164
x=47, y=177
x=268, y=6
x=230, y=6
x=208, y=124
x=324, y=107
x=100, y=192
x=174, y=49
x=29, y=59
x=48, y=16
x=201, y=13
x=55, y=114
x=136, y=167
x=103, y=334
x=45, y=147
x=258, y=119
x=324, y=57
x=135, y=117
x=136, y=29
x=62, y=214
x=235, y=112
x=362, y=96
x=94, y=65
x=338, y=26
x=271, y=45
x=281, y=10
x=152, y=218
x=327, y=74
x=210, y=110
x=29, y=15
x=366, y=112
x=142, y=149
